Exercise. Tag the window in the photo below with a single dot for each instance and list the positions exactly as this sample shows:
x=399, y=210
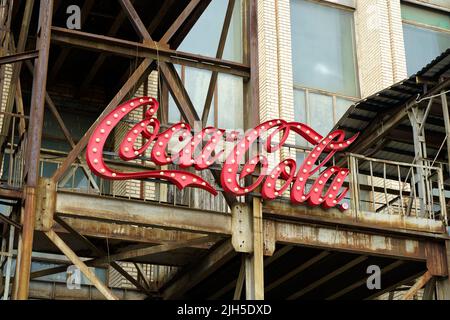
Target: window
x=426, y=34
x=324, y=63
x=227, y=104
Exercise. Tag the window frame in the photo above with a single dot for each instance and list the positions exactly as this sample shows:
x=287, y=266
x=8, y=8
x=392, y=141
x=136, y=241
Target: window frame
x=334, y=95
x=426, y=5
x=349, y=5
x=355, y=51
x=420, y=25
x=423, y=6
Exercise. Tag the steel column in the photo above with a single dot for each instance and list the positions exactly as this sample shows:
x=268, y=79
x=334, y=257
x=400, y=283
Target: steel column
x=447, y=123
x=417, y=118
x=34, y=145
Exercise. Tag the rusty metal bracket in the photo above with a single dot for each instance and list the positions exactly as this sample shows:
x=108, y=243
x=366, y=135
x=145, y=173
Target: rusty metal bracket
x=241, y=226
x=45, y=204
x=269, y=237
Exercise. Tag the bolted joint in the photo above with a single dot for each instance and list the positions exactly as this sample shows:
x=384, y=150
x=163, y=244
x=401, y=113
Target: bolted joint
x=241, y=226
x=45, y=204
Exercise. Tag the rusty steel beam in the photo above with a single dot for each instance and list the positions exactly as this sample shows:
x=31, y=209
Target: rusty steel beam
x=394, y=286
x=294, y=272
x=140, y=213
x=197, y=272
x=417, y=286
x=34, y=146
x=141, y=275
x=138, y=25
x=251, y=109
x=20, y=109
x=172, y=80
x=11, y=194
x=325, y=236
x=16, y=70
x=160, y=15
x=128, y=232
x=59, y=61
x=170, y=76
x=175, y=27
x=10, y=221
x=147, y=251
x=76, y=151
x=61, y=245
x=235, y=283
x=135, y=20
x=126, y=255
x=48, y=291
x=19, y=57
x=376, y=222
x=100, y=252
x=184, y=28
x=430, y=289
x=120, y=18
x=88, y=262
x=355, y=241
x=47, y=272
x=255, y=291
x=219, y=54
x=149, y=50
x=51, y=105
x=179, y=93
x=326, y=278
x=163, y=111
x=240, y=281
x=363, y=281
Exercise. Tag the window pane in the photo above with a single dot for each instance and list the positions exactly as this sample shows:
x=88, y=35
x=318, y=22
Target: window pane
x=197, y=83
x=204, y=36
x=231, y=97
x=422, y=46
x=300, y=113
x=426, y=16
x=323, y=53
x=174, y=112
x=212, y=113
x=233, y=45
x=342, y=106
x=321, y=113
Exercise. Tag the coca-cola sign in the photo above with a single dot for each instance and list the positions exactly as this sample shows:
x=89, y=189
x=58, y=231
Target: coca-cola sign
x=200, y=151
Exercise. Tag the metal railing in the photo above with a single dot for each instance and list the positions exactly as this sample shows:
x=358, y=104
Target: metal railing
x=390, y=187
x=79, y=179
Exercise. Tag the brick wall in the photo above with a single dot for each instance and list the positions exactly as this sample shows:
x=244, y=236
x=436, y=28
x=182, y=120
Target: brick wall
x=275, y=65
x=379, y=44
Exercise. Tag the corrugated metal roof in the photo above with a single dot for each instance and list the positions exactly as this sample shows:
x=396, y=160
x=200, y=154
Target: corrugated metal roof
x=365, y=112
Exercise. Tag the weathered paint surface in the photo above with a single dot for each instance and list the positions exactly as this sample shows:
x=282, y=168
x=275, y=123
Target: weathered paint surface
x=364, y=219
x=141, y=213
x=329, y=236
x=127, y=232
x=353, y=241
